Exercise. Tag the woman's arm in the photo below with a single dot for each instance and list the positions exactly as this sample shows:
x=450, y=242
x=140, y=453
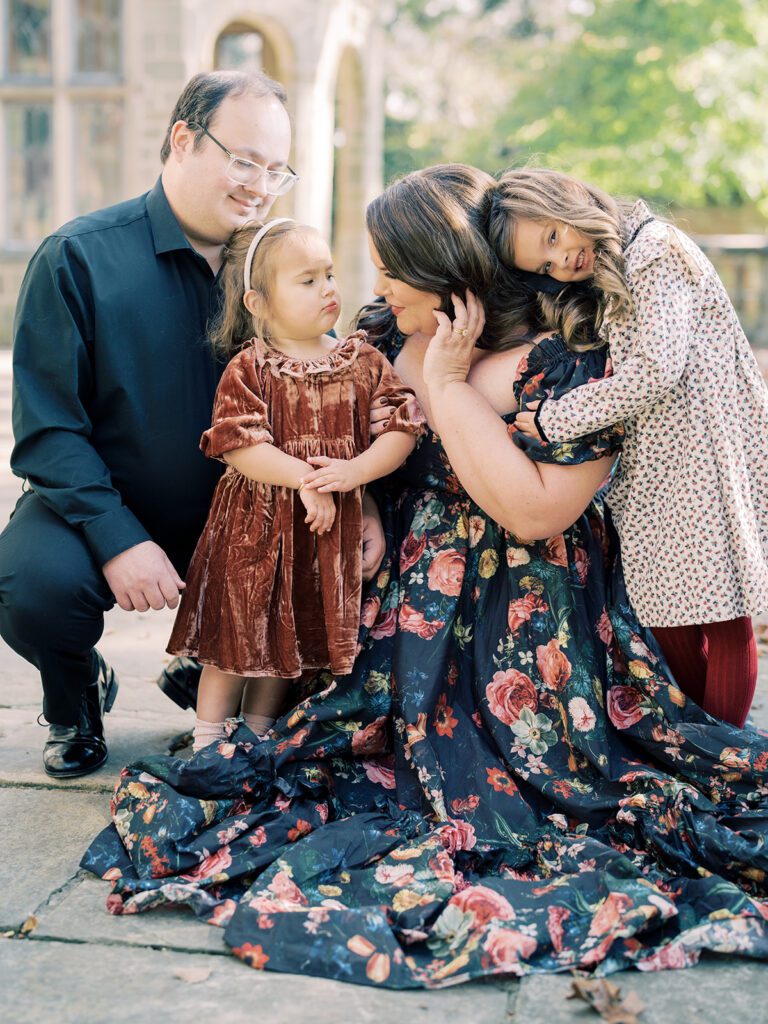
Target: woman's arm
x=533, y=500
x=530, y=499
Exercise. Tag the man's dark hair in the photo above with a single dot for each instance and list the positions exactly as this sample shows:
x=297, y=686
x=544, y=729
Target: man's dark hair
x=204, y=93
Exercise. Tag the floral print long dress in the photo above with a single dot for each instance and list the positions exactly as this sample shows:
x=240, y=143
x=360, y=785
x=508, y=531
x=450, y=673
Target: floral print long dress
x=509, y=781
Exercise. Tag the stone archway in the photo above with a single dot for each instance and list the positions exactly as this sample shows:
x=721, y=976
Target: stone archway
x=243, y=47
x=348, y=236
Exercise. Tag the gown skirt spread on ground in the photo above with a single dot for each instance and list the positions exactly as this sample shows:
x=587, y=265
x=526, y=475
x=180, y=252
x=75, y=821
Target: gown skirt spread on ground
x=508, y=781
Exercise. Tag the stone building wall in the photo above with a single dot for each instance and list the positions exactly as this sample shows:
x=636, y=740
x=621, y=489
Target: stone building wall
x=326, y=52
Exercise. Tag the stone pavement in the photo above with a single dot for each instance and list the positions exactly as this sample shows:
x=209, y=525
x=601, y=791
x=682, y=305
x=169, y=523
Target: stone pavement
x=79, y=965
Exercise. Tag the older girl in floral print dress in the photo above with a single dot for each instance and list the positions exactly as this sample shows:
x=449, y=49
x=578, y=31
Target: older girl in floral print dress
x=690, y=498
x=508, y=782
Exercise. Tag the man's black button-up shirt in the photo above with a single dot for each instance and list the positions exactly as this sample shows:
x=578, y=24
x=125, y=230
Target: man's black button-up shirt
x=114, y=379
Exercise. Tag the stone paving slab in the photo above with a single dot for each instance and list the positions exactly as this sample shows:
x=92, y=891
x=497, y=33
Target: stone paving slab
x=81, y=916
x=129, y=736
x=718, y=991
x=42, y=839
x=74, y=983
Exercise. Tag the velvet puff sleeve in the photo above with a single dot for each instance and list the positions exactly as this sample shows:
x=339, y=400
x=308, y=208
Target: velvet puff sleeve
x=550, y=371
x=407, y=416
x=240, y=415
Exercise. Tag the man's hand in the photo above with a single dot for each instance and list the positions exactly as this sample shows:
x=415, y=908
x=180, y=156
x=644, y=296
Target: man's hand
x=142, y=577
x=321, y=510
x=331, y=475
x=525, y=423
x=374, y=545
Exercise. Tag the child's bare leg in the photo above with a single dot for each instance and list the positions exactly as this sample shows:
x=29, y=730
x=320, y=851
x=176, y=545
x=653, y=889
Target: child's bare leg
x=218, y=698
x=263, y=700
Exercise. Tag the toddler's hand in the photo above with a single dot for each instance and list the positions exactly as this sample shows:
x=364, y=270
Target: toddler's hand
x=321, y=510
x=525, y=423
x=331, y=475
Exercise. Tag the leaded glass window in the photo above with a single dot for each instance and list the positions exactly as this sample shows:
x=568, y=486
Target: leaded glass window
x=97, y=37
x=30, y=171
x=240, y=49
x=98, y=144
x=28, y=38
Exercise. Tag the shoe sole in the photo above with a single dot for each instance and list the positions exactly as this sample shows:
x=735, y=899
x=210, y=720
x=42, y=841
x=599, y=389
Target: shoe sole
x=110, y=693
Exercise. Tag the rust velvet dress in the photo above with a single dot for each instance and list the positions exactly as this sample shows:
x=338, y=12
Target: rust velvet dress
x=265, y=596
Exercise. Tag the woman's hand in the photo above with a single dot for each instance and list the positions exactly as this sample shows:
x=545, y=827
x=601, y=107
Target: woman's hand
x=449, y=353
x=381, y=414
x=331, y=475
x=321, y=510
x=524, y=422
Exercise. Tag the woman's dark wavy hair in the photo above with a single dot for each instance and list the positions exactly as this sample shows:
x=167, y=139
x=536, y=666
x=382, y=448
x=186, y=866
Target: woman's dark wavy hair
x=430, y=231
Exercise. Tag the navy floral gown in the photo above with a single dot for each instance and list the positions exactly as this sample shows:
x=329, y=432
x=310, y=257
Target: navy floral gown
x=508, y=782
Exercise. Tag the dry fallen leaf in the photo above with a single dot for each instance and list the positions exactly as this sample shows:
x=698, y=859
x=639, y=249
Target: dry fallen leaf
x=29, y=925
x=605, y=998
x=192, y=975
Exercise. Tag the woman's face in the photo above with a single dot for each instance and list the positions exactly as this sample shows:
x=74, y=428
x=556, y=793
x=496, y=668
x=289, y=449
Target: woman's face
x=412, y=307
x=551, y=247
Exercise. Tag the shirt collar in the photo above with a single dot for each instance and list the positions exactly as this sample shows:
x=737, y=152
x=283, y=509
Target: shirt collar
x=639, y=212
x=166, y=230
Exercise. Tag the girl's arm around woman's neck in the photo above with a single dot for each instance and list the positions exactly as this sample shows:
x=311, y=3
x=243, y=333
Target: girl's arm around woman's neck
x=530, y=499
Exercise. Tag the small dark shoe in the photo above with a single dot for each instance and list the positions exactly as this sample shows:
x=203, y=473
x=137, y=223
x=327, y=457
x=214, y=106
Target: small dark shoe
x=79, y=749
x=179, y=680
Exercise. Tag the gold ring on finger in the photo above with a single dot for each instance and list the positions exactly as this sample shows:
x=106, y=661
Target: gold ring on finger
x=461, y=331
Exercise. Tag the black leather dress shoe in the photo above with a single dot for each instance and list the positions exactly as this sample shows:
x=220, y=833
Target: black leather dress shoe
x=79, y=749
x=179, y=680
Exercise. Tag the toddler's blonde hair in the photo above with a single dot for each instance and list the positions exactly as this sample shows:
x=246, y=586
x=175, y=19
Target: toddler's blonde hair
x=235, y=325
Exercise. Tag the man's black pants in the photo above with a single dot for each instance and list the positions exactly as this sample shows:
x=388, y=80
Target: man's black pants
x=53, y=597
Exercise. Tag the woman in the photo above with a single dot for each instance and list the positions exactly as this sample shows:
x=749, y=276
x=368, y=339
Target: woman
x=508, y=781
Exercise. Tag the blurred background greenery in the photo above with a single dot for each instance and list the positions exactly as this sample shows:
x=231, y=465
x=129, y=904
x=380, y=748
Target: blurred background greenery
x=663, y=98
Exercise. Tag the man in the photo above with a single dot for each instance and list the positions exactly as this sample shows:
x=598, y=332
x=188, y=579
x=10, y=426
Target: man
x=113, y=386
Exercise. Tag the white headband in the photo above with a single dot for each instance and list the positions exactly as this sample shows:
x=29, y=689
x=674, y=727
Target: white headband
x=254, y=242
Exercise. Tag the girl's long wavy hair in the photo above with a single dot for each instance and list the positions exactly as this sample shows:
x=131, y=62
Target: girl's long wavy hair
x=429, y=229
x=235, y=325
x=536, y=193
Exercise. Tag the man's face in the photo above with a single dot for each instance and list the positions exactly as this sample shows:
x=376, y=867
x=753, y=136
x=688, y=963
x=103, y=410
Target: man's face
x=209, y=205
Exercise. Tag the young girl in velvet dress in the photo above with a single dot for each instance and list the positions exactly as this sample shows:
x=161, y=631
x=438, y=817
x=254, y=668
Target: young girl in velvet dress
x=690, y=497
x=274, y=585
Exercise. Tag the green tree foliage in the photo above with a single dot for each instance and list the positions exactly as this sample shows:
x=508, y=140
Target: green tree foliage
x=664, y=98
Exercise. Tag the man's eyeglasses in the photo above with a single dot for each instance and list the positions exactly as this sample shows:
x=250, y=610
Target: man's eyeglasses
x=246, y=172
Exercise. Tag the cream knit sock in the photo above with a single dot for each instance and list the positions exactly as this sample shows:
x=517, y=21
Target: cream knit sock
x=205, y=733
x=259, y=724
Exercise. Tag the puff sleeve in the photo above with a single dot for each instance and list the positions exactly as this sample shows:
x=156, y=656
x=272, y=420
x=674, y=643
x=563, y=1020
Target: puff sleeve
x=552, y=370
x=240, y=415
x=407, y=416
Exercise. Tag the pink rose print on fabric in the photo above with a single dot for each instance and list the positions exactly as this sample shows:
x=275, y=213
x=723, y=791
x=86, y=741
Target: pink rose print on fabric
x=508, y=693
x=446, y=572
